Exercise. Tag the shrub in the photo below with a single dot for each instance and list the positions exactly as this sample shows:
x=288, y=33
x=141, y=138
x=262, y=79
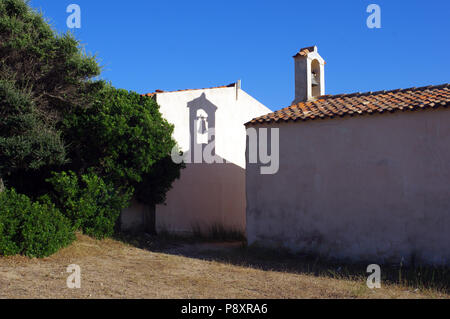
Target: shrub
x=12, y=208
x=91, y=204
x=34, y=229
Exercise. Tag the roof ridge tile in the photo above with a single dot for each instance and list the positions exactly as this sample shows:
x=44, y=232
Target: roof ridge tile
x=327, y=106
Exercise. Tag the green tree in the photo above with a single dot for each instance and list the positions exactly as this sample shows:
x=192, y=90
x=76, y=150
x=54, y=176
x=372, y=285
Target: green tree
x=26, y=142
x=55, y=115
x=43, y=76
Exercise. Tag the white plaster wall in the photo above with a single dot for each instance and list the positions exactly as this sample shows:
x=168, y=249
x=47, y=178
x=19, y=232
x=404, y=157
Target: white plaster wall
x=209, y=194
x=371, y=188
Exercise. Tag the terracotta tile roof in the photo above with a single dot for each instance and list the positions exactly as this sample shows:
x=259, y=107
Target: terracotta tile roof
x=331, y=106
x=216, y=87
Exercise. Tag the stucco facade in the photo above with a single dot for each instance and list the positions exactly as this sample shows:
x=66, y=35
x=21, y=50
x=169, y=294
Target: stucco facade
x=366, y=188
x=207, y=194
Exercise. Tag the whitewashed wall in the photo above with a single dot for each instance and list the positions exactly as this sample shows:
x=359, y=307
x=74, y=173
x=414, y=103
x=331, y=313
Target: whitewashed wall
x=373, y=188
x=206, y=195
x=209, y=194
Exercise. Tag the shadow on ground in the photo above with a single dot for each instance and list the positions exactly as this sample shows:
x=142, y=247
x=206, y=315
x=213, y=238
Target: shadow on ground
x=237, y=253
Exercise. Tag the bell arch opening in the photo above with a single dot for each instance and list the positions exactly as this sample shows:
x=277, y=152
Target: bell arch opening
x=315, y=78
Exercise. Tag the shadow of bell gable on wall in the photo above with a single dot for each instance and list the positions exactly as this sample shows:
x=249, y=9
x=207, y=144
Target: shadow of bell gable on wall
x=202, y=123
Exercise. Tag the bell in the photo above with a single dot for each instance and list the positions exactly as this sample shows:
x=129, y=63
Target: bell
x=314, y=80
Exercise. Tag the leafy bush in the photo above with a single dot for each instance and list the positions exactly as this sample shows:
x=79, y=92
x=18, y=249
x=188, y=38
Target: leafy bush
x=92, y=205
x=34, y=229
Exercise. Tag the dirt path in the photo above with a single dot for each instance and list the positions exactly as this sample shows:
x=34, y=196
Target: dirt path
x=111, y=269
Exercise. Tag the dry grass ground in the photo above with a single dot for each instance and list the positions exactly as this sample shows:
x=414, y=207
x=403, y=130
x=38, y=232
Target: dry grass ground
x=112, y=269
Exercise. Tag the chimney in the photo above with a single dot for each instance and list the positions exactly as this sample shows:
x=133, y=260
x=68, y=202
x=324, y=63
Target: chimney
x=309, y=75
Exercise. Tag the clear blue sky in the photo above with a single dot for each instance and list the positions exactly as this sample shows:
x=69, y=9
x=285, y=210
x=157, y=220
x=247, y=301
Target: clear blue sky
x=145, y=45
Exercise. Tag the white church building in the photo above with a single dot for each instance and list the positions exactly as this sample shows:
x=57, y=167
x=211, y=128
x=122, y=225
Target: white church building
x=210, y=130
x=362, y=176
